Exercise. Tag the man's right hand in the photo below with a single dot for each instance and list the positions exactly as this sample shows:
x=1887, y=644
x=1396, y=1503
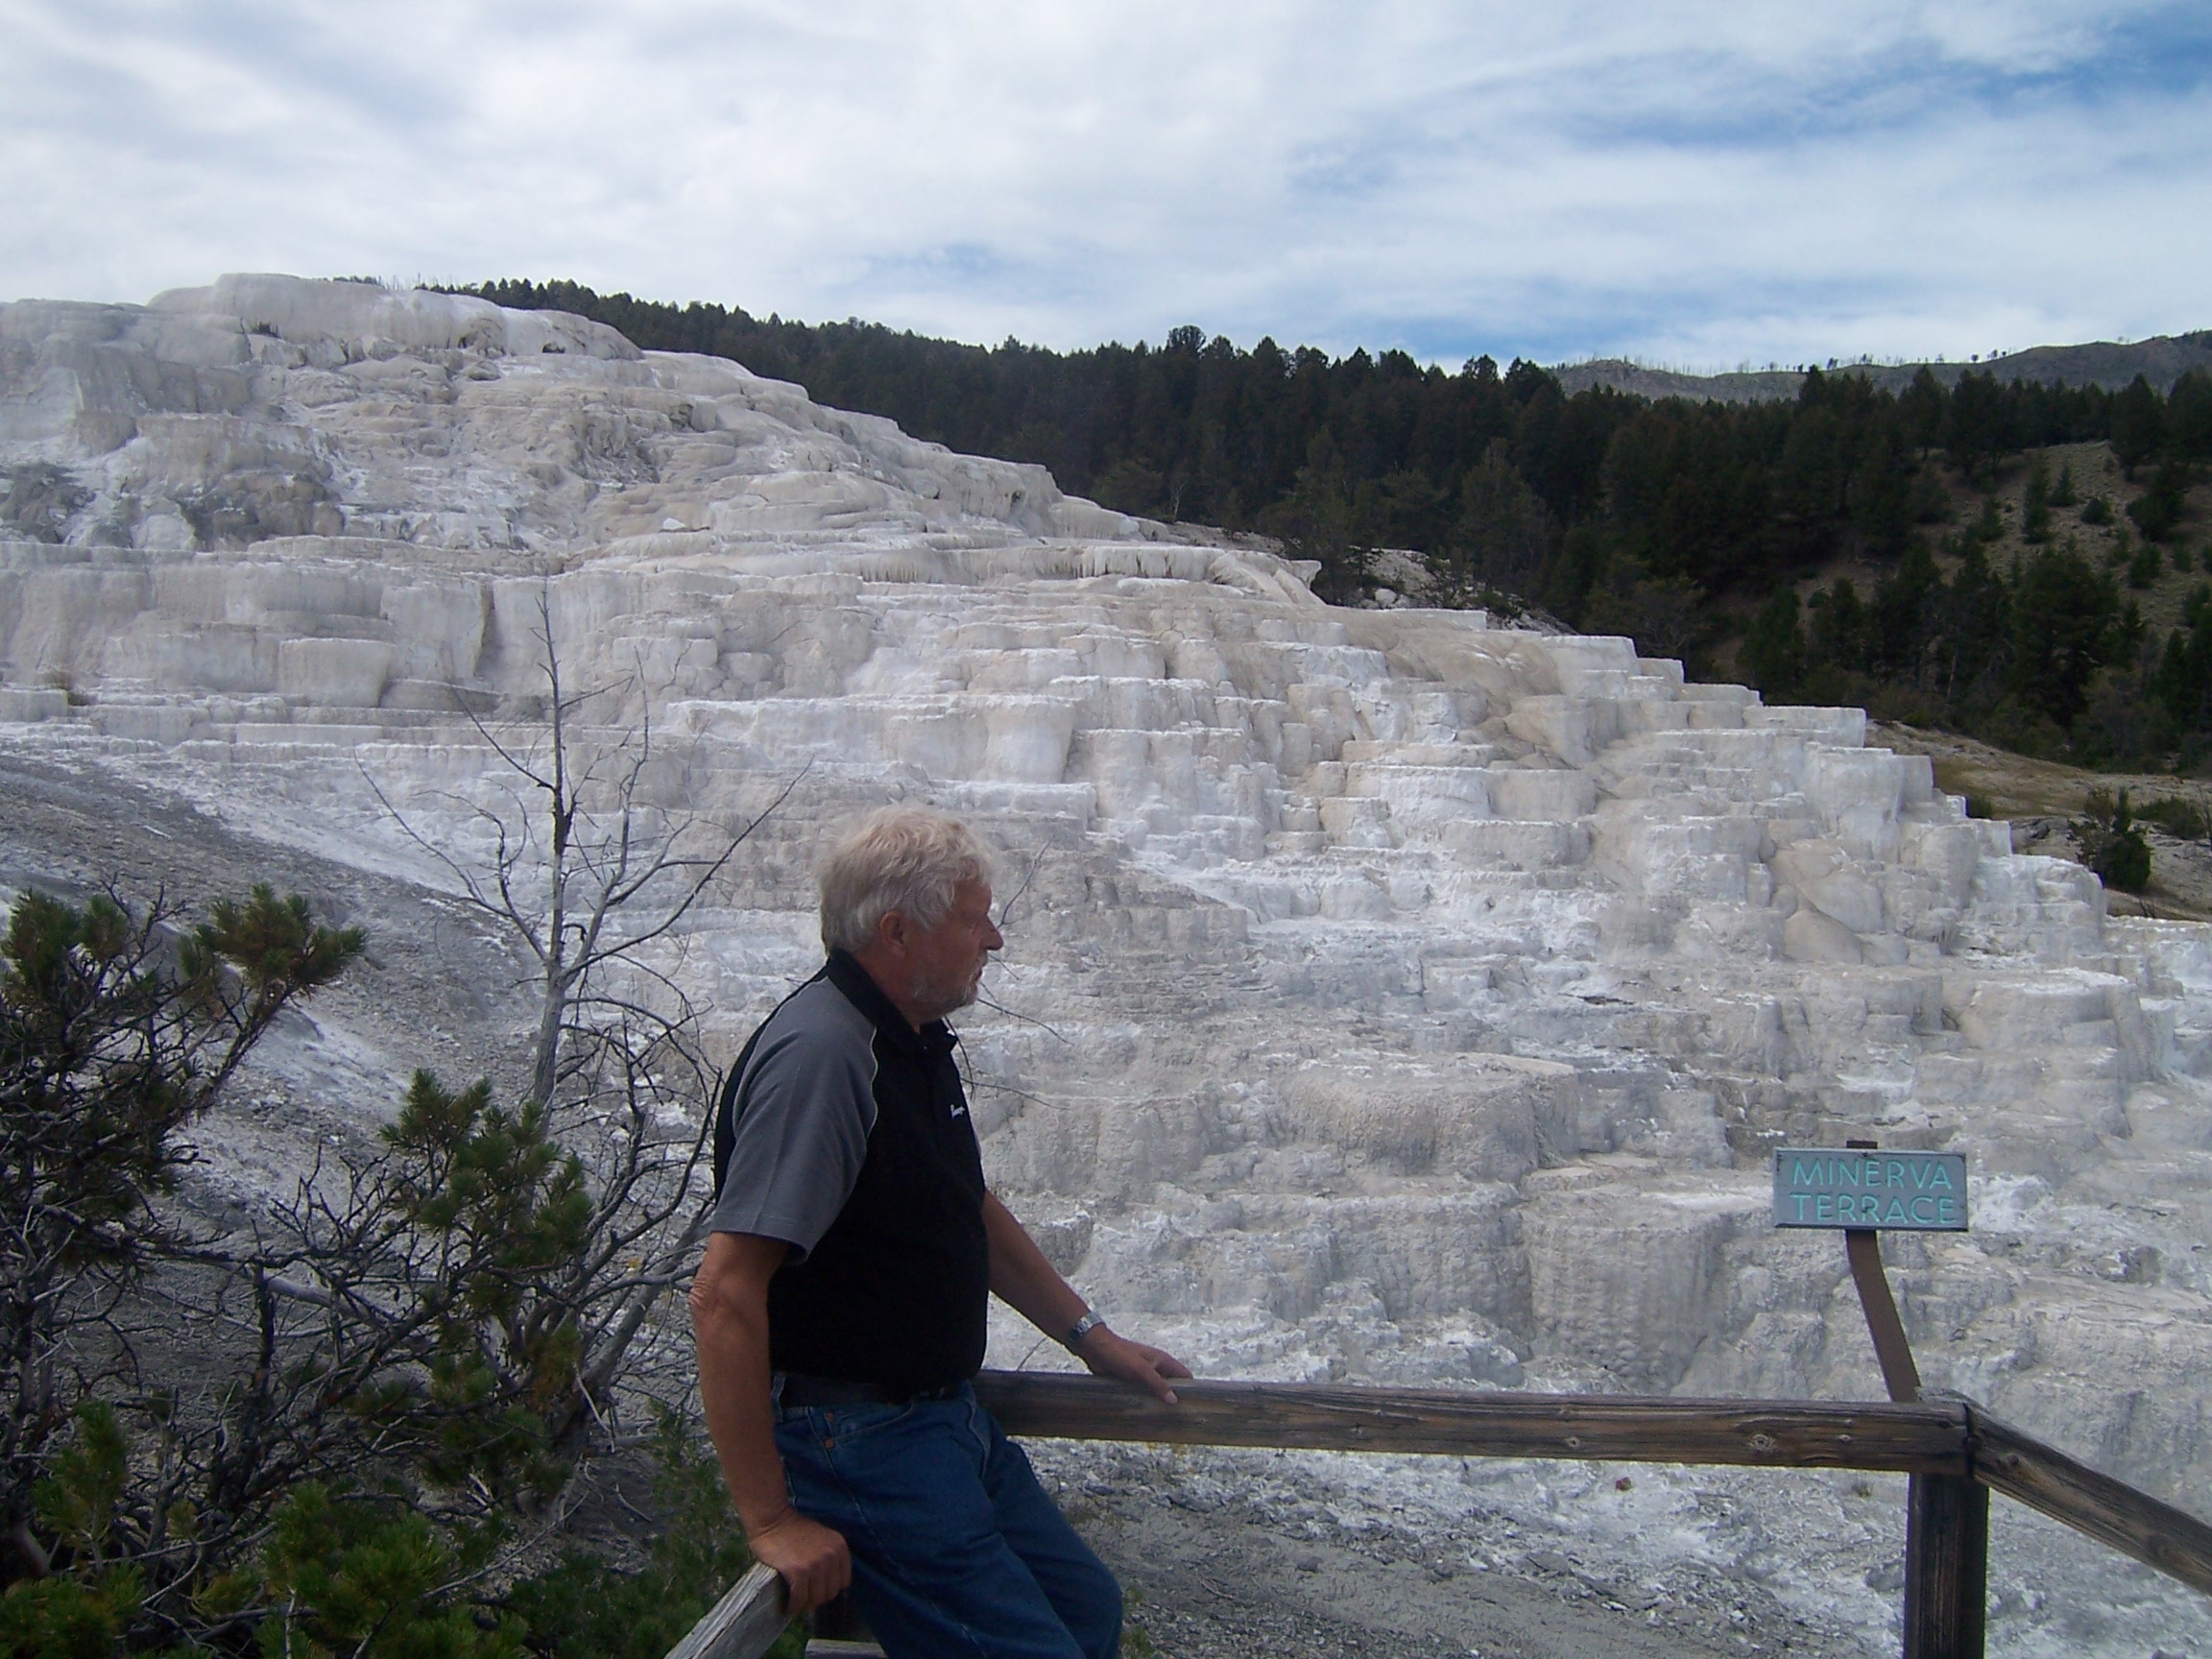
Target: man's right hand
x=812, y=1559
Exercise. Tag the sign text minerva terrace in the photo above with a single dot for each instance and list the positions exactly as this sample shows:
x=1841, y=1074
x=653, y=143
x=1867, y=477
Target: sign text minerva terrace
x=1832, y=1187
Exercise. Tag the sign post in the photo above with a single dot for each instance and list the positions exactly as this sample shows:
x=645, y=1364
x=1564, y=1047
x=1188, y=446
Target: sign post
x=1861, y=1191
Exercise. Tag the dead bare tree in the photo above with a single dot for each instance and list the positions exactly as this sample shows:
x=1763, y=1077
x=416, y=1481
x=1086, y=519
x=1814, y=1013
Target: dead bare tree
x=589, y=879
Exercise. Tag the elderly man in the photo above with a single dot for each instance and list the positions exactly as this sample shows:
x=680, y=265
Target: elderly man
x=840, y=1309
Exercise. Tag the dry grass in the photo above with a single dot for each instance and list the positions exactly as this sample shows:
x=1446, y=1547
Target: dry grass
x=2041, y=797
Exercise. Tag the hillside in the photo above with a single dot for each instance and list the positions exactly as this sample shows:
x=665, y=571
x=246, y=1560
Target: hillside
x=2109, y=364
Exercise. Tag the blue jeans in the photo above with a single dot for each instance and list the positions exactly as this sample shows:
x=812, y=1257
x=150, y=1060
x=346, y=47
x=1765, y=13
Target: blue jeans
x=956, y=1549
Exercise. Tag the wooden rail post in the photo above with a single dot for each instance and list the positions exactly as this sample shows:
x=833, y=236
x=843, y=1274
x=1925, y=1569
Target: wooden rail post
x=1946, y=1567
x=1946, y=1516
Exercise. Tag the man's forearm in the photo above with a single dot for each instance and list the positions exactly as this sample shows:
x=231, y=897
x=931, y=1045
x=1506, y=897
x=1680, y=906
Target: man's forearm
x=730, y=1319
x=1022, y=1278
x=734, y=1391
x=731, y=1327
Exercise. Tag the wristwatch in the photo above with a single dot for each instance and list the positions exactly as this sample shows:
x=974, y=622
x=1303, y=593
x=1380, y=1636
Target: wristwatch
x=1081, y=1329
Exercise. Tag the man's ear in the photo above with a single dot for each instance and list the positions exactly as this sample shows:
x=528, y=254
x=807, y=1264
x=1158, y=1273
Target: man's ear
x=893, y=932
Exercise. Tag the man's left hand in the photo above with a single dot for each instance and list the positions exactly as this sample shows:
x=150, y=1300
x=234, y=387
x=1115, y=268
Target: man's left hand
x=1148, y=1367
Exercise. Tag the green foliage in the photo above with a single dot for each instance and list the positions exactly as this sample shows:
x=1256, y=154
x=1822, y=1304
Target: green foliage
x=2146, y=568
x=1773, y=653
x=67, y=1618
x=492, y=1181
x=2017, y=655
x=2158, y=511
x=511, y=1216
x=272, y=943
x=2036, y=504
x=1321, y=521
x=2137, y=424
x=406, y=1359
x=370, y=1581
x=76, y=1500
x=2063, y=492
x=586, y=1608
x=1504, y=533
x=470, y=1267
x=2188, y=423
x=2063, y=614
x=115, y=1033
x=2096, y=511
x=2111, y=845
x=2183, y=819
x=1661, y=614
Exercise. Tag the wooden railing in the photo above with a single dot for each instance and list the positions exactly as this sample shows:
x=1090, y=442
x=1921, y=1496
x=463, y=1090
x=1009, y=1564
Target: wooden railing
x=1955, y=1453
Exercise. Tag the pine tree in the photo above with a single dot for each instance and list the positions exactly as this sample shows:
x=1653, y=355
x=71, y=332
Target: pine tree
x=2036, y=504
x=2111, y=844
x=2062, y=623
x=2138, y=426
x=2159, y=512
x=1773, y=654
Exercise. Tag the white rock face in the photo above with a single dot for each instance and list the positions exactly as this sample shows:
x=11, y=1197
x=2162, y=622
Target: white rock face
x=1389, y=996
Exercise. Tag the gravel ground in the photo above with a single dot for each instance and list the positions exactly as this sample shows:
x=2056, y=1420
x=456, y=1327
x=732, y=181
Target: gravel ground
x=1214, y=1580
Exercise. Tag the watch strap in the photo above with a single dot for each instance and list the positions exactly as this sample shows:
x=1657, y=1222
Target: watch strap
x=1081, y=1329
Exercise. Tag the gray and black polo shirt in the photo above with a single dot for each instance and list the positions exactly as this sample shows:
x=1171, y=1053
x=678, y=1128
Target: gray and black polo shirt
x=844, y=1131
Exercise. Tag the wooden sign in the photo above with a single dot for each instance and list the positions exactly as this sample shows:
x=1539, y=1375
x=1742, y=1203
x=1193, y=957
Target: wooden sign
x=1851, y=1187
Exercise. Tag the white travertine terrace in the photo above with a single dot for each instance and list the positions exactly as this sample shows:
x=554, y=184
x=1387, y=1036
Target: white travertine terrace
x=1391, y=995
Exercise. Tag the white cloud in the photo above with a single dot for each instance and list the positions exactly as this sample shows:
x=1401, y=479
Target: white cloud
x=1701, y=181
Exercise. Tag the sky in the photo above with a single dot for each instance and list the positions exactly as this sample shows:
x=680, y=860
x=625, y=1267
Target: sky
x=1695, y=183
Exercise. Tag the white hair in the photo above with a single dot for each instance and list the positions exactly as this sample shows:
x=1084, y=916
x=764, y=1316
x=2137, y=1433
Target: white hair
x=907, y=858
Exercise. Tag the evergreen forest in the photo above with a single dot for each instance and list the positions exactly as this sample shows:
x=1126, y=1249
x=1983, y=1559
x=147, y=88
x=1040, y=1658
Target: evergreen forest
x=2019, y=561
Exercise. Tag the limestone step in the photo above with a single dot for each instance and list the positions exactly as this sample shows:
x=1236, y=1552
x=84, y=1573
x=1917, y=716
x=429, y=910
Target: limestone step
x=1518, y=844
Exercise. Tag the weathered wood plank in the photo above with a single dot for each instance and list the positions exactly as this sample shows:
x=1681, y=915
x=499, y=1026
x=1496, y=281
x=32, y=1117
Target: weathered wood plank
x=1785, y=1434
x=2134, y=1523
x=742, y=1623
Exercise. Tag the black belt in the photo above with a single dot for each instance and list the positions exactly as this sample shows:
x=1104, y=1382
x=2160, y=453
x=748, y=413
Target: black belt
x=798, y=1390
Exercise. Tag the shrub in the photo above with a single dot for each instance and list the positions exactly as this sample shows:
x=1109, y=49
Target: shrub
x=585, y=1606
x=2157, y=513
x=2184, y=820
x=2111, y=845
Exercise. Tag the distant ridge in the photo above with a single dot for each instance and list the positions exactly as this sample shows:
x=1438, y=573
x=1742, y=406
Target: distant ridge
x=2107, y=363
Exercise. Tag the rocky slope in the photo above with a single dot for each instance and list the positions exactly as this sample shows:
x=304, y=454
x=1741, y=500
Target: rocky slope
x=1388, y=995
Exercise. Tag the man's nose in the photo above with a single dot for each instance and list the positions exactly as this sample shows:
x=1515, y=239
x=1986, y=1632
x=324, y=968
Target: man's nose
x=993, y=939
